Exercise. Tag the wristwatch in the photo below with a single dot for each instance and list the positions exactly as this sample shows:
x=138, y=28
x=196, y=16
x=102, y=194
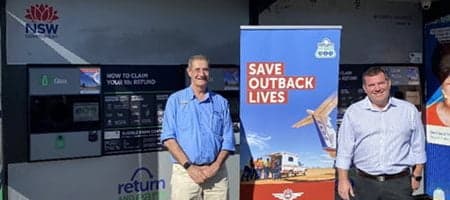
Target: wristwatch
x=187, y=164
x=417, y=178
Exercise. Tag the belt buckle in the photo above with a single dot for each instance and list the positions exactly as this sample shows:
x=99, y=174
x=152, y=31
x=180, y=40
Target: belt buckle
x=381, y=178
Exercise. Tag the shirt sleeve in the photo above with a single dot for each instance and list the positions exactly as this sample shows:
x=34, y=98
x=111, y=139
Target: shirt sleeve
x=346, y=142
x=417, y=152
x=169, y=124
x=228, y=134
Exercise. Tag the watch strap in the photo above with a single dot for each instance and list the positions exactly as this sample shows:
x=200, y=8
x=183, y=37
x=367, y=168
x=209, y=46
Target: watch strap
x=417, y=178
x=187, y=164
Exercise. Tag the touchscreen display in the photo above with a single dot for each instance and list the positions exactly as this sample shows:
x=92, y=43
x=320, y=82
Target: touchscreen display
x=85, y=112
x=59, y=113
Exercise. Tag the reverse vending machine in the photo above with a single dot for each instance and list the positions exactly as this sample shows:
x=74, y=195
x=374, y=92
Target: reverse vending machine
x=77, y=111
x=64, y=112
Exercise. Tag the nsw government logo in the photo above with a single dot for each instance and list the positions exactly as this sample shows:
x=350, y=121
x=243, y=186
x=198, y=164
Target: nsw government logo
x=143, y=187
x=41, y=21
x=325, y=49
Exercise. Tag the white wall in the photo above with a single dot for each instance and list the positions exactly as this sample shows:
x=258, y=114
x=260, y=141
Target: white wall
x=379, y=31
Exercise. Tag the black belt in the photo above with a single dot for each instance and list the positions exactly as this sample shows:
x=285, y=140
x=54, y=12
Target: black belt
x=383, y=177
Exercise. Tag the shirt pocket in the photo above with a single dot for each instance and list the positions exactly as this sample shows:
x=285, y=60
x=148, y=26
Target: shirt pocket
x=217, y=122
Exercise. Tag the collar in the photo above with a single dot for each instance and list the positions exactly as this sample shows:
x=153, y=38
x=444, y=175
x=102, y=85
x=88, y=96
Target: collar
x=369, y=106
x=191, y=96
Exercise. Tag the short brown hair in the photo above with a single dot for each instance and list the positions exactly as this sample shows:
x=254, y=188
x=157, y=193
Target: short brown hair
x=375, y=70
x=441, y=70
x=197, y=57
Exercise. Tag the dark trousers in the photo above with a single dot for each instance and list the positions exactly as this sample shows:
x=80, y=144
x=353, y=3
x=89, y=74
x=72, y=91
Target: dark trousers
x=392, y=189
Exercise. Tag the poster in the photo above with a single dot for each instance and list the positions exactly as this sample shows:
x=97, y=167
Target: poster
x=90, y=80
x=134, y=99
x=437, y=66
x=437, y=63
x=288, y=99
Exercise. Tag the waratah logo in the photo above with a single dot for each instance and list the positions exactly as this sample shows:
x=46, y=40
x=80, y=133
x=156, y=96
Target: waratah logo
x=43, y=13
x=42, y=17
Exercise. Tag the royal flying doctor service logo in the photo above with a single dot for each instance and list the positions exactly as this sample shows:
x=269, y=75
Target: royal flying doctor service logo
x=287, y=194
x=325, y=49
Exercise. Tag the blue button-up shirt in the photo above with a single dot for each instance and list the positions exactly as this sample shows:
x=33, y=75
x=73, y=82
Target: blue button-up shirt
x=201, y=128
x=381, y=141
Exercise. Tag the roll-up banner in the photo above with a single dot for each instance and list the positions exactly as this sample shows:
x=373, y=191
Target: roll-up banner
x=437, y=68
x=288, y=95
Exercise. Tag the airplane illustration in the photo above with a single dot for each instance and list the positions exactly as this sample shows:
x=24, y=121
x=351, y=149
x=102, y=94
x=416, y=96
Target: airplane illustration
x=322, y=121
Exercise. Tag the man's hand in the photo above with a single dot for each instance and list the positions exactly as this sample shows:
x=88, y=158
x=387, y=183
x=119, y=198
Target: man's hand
x=416, y=172
x=210, y=170
x=345, y=189
x=414, y=184
x=197, y=174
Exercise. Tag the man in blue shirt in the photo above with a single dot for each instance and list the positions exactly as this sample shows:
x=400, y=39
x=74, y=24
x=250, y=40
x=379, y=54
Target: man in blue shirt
x=197, y=131
x=383, y=137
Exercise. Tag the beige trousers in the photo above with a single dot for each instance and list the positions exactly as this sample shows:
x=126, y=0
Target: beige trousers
x=184, y=188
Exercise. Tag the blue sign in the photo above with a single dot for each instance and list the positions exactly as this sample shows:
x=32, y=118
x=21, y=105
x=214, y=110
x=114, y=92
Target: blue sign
x=436, y=65
x=289, y=81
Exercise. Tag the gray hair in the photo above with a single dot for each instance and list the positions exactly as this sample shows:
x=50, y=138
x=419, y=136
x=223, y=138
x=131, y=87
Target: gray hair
x=196, y=57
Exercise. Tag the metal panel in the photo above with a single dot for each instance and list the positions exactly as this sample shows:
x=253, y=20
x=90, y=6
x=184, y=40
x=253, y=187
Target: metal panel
x=65, y=145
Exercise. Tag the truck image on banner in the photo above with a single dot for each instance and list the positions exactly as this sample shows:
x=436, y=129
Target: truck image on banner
x=288, y=111
x=287, y=164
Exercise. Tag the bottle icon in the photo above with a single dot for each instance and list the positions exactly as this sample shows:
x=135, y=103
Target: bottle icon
x=438, y=194
x=59, y=142
x=44, y=80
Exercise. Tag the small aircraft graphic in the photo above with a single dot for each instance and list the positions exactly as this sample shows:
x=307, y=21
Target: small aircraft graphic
x=322, y=121
x=287, y=194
